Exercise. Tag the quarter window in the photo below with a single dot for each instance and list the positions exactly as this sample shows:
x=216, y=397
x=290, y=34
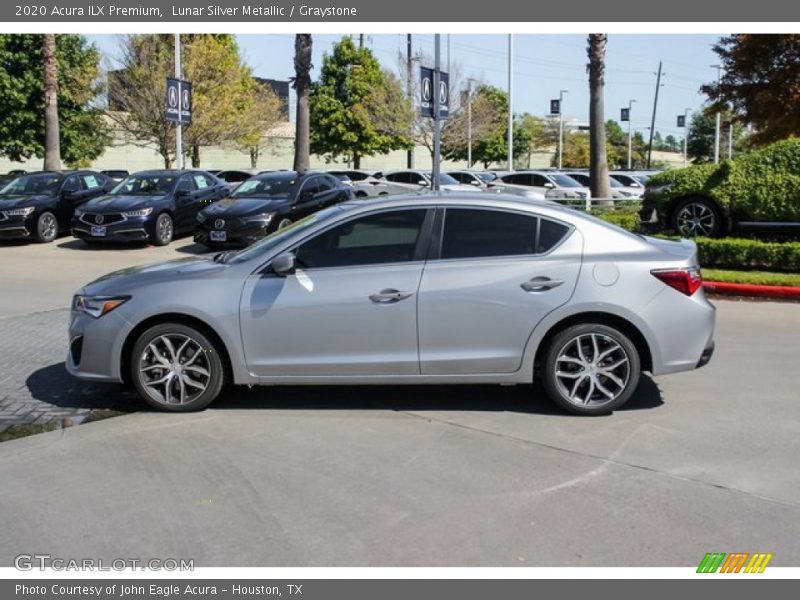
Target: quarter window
x=375, y=239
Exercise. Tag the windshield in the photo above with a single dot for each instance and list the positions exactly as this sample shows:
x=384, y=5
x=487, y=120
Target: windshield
x=444, y=179
x=614, y=183
x=264, y=187
x=28, y=185
x=265, y=244
x=641, y=178
x=145, y=185
x=564, y=181
x=486, y=177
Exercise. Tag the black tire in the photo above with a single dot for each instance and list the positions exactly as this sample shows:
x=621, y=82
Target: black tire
x=283, y=223
x=147, y=367
x=697, y=216
x=585, y=389
x=46, y=228
x=163, y=230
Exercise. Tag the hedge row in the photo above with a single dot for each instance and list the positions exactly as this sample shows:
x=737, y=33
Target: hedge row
x=735, y=253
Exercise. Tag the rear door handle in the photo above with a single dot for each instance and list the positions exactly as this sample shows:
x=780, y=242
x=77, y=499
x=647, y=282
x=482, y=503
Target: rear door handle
x=540, y=284
x=389, y=296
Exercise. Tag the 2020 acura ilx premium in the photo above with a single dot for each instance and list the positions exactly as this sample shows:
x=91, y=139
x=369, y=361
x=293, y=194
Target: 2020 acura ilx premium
x=424, y=289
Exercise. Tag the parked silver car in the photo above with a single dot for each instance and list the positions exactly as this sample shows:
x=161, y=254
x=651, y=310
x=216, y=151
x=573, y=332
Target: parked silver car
x=425, y=289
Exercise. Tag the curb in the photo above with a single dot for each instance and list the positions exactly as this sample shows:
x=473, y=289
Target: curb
x=760, y=291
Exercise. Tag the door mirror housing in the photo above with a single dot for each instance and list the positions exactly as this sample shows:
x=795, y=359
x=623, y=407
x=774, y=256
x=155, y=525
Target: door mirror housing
x=284, y=264
x=423, y=183
x=182, y=193
x=475, y=183
x=550, y=185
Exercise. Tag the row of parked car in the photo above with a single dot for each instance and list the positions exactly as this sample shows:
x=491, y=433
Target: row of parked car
x=235, y=207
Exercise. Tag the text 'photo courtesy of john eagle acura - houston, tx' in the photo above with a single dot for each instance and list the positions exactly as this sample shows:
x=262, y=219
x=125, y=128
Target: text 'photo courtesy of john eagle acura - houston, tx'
x=427, y=288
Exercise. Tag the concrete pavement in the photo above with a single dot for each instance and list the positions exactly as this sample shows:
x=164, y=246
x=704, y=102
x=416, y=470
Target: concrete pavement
x=697, y=462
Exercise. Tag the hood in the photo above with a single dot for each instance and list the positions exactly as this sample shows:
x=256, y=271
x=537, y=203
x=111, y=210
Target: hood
x=119, y=282
x=112, y=204
x=244, y=207
x=11, y=202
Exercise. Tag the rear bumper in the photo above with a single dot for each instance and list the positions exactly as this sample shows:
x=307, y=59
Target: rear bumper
x=705, y=357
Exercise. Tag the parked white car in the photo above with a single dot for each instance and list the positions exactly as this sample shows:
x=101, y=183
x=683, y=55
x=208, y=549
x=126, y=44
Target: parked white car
x=477, y=179
x=367, y=184
x=542, y=185
x=418, y=180
x=618, y=190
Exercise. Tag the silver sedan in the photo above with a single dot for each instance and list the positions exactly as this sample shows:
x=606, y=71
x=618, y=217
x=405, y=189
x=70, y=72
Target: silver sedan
x=422, y=289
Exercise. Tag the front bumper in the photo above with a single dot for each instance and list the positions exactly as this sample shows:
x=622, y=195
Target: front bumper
x=136, y=229
x=95, y=346
x=17, y=228
x=649, y=215
x=237, y=234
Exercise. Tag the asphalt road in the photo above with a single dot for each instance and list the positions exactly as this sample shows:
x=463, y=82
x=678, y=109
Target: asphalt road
x=425, y=476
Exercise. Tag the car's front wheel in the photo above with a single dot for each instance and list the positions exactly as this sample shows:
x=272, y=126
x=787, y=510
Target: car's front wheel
x=46, y=228
x=694, y=217
x=284, y=223
x=164, y=230
x=591, y=369
x=177, y=368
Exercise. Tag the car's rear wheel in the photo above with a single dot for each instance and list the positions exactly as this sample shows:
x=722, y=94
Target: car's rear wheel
x=46, y=228
x=591, y=369
x=694, y=217
x=177, y=368
x=284, y=223
x=164, y=230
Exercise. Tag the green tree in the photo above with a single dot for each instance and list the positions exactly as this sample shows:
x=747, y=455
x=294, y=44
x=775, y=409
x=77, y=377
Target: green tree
x=576, y=150
x=262, y=115
x=671, y=144
x=356, y=108
x=223, y=92
x=83, y=131
x=489, y=129
x=700, y=141
x=761, y=83
x=538, y=132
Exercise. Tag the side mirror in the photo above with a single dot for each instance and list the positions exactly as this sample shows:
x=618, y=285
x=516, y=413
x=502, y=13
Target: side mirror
x=284, y=264
x=423, y=183
x=549, y=185
x=475, y=183
x=182, y=193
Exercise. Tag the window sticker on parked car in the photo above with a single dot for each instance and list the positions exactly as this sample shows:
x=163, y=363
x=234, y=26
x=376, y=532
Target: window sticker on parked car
x=90, y=181
x=200, y=182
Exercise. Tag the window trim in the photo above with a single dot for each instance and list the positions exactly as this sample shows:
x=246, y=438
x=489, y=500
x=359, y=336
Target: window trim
x=435, y=253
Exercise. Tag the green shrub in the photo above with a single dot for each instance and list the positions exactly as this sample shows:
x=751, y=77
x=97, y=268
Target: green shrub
x=760, y=185
x=626, y=218
x=744, y=253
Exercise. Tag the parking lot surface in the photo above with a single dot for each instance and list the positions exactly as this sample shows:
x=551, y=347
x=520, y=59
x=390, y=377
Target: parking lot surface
x=424, y=476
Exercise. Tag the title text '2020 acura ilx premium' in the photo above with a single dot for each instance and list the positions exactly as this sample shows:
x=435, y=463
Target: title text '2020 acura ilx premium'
x=426, y=289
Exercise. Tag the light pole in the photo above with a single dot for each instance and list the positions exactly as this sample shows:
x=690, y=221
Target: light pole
x=716, y=130
x=179, y=128
x=510, y=102
x=437, y=125
x=469, y=122
x=686, y=136
x=630, y=134
x=730, y=138
x=561, y=126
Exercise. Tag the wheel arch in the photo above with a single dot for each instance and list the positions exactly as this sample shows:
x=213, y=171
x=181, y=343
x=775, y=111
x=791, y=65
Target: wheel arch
x=723, y=211
x=602, y=318
x=183, y=319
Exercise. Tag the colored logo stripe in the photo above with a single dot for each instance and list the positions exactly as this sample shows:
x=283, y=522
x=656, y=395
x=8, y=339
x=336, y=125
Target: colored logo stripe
x=734, y=562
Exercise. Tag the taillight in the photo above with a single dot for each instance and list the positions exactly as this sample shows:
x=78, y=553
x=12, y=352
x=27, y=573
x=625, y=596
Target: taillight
x=686, y=281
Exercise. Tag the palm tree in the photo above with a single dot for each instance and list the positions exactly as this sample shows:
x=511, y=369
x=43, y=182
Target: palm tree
x=52, y=144
x=598, y=163
x=302, y=84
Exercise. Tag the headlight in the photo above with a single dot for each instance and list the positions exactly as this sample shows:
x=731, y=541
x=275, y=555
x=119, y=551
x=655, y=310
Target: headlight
x=201, y=217
x=262, y=218
x=97, y=306
x=20, y=212
x=142, y=212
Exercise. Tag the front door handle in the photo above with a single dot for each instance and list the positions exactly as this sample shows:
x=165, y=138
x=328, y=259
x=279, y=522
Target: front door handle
x=389, y=296
x=540, y=284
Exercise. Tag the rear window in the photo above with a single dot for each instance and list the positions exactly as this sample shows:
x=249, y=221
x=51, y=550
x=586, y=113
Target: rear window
x=475, y=233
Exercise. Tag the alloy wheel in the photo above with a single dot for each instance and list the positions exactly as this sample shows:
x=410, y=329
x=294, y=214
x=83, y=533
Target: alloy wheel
x=47, y=227
x=164, y=229
x=174, y=369
x=592, y=370
x=283, y=223
x=696, y=219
